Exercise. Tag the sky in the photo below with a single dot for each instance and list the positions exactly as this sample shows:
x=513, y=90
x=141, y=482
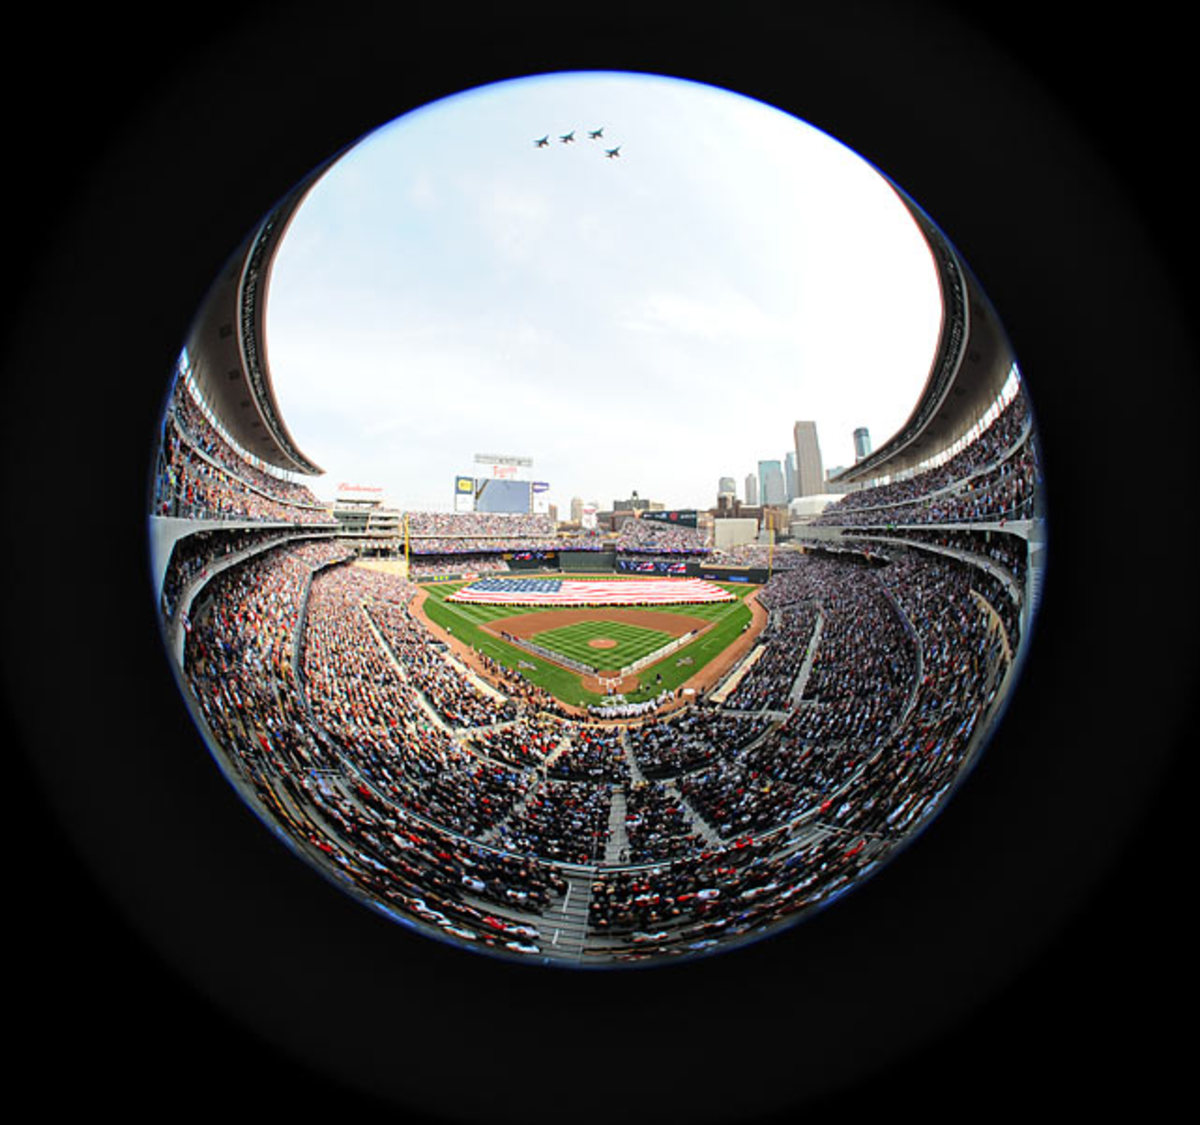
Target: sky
x=649, y=322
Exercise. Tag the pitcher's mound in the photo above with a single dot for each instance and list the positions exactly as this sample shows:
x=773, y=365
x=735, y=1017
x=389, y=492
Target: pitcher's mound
x=602, y=642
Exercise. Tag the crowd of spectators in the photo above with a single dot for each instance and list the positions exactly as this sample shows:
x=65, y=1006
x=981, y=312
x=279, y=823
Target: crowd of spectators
x=1000, y=494
x=436, y=567
x=432, y=671
x=1007, y=431
x=691, y=902
x=479, y=525
x=657, y=825
x=591, y=754
x=565, y=821
x=1005, y=549
x=757, y=555
x=860, y=681
x=694, y=738
x=193, y=554
x=768, y=685
x=525, y=743
x=190, y=485
x=645, y=536
x=361, y=701
x=200, y=432
x=447, y=803
x=416, y=795
x=450, y=547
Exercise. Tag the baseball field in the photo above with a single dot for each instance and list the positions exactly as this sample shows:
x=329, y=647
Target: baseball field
x=570, y=650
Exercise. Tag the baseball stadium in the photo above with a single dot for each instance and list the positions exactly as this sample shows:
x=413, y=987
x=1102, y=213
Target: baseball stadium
x=608, y=750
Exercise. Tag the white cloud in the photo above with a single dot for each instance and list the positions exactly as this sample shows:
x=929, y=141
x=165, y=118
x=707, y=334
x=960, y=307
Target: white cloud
x=652, y=322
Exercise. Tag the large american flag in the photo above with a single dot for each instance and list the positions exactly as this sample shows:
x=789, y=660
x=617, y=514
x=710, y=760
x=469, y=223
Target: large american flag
x=577, y=591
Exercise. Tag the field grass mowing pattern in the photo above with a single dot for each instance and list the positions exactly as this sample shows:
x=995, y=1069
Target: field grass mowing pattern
x=633, y=642
x=463, y=620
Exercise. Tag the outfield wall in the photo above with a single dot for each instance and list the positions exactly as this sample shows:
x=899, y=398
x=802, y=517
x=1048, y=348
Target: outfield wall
x=755, y=575
x=587, y=562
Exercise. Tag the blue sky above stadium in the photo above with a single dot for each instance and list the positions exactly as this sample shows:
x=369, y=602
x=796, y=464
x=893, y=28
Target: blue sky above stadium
x=648, y=322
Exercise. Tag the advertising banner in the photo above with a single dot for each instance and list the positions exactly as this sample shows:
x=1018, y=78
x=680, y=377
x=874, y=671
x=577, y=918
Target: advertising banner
x=464, y=494
x=681, y=518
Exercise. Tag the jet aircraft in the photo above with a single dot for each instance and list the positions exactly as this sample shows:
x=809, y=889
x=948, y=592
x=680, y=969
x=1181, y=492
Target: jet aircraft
x=596, y=133
x=543, y=142
x=568, y=138
x=611, y=152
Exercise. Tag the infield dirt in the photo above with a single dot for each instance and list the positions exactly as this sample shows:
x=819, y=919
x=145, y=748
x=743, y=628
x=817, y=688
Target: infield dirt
x=704, y=679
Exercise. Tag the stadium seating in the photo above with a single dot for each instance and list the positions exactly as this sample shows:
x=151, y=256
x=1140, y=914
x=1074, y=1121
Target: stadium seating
x=471, y=803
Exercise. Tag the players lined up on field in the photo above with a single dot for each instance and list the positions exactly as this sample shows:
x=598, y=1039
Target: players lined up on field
x=620, y=709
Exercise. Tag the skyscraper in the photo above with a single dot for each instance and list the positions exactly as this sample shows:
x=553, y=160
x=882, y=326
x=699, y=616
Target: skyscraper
x=751, y=490
x=862, y=443
x=771, y=487
x=810, y=475
x=727, y=486
x=789, y=474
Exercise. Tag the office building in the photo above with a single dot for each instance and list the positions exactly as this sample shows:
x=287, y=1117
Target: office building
x=862, y=443
x=789, y=474
x=771, y=488
x=810, y=475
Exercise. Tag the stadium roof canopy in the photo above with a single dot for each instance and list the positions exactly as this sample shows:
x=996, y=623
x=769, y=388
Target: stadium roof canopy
x=969, y=369
x=227, y=344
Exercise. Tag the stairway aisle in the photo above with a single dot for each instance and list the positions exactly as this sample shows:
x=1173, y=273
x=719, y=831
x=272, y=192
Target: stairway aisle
x=618, y=841
x=699, y=824
x=563, y=928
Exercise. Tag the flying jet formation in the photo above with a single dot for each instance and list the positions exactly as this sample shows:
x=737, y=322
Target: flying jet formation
x=569, y=138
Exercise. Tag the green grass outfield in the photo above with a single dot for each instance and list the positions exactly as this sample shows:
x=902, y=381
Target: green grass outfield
x=464, y=621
